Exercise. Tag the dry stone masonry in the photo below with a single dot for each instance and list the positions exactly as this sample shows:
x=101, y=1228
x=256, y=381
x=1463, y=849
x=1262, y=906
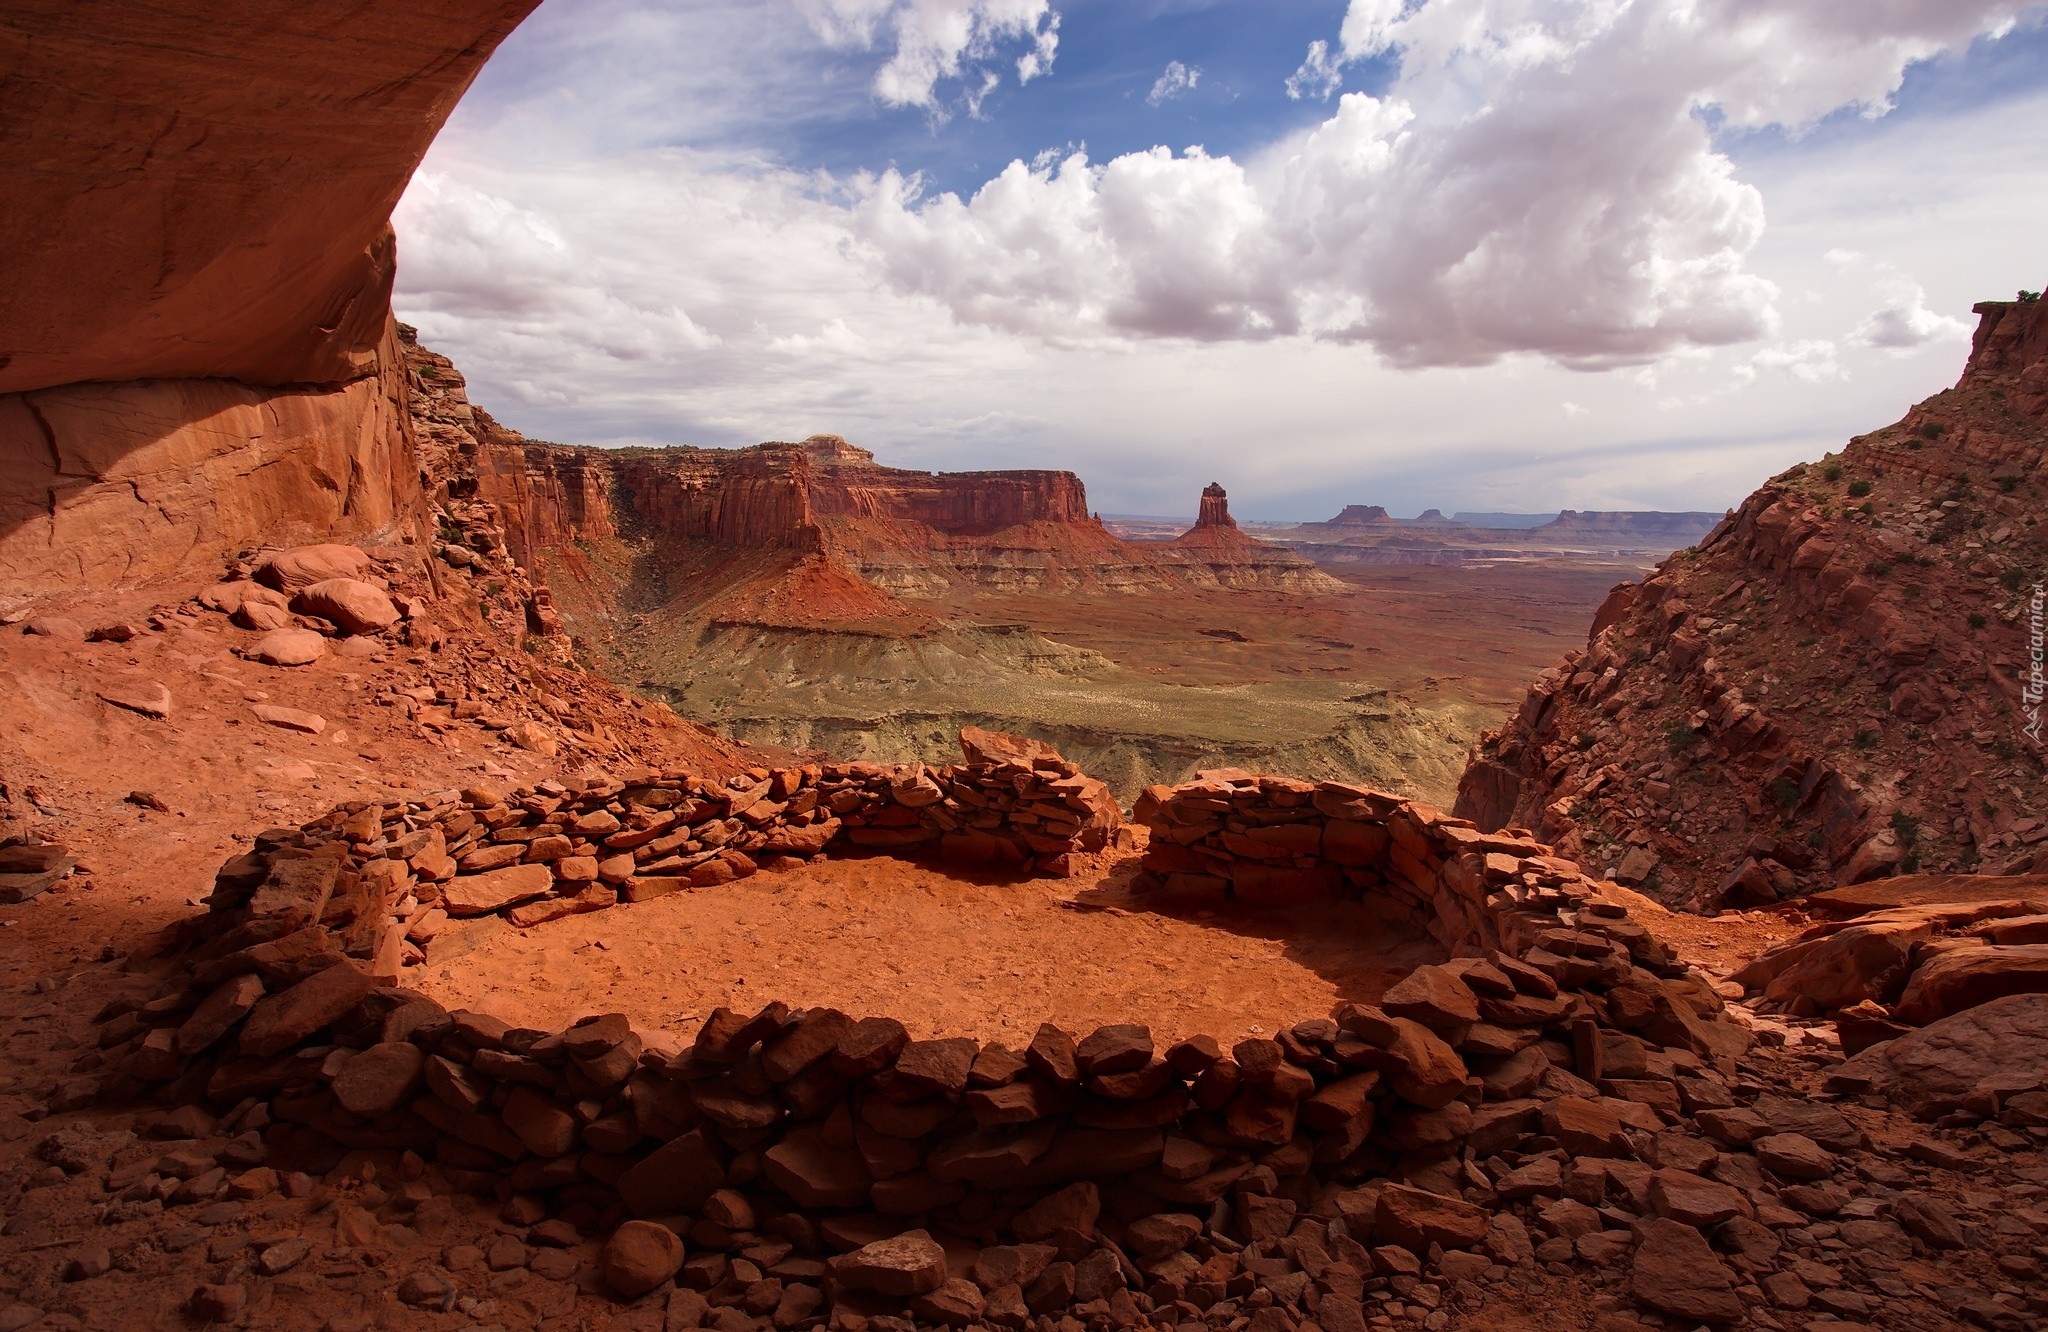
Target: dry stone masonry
x=1555, y=1092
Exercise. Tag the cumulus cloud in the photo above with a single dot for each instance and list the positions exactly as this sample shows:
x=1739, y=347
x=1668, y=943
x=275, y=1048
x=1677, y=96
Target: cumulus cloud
x=1809, y=360
x=1541, y=178
x=1903, y=323
x=934, y=41
x=1319, y=75
x=1177, y=80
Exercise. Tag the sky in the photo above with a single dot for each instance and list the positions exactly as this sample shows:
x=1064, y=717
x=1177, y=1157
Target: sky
x=1514, y=255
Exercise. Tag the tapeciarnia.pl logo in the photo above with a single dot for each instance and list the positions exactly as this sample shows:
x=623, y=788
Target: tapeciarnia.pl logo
x=2031, y=690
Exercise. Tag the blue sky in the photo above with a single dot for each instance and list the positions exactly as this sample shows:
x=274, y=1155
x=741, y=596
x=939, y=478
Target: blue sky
x=1533, y=254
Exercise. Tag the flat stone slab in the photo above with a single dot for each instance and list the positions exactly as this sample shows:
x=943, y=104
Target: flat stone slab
x=482, y=894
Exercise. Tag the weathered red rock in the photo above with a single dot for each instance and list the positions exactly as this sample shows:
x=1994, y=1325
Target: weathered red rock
x=1676, y=1272
x=285, y=1019
x=480, y=894
x=910, y=1264
x=639, y=1256
x=356, y=606
x=1953, y=981
x=1415, y=1219
x=374, y=1082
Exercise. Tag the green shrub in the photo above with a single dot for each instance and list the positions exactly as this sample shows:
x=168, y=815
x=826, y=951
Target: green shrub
x=1906, y=826
x=1833, y=471
x=1866, y=739
x=1786, y=792
x=1877, y=568
x=1858, y=489
x=1977, y=620
x=1680, y=737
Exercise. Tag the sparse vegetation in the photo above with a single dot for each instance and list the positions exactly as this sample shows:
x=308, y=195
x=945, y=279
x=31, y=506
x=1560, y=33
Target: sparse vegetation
x=1858, y=489
x=1833, y=471
x=1866, y=739
x=1680, y=737
x=1786, y=792
x=1878, y=568
x=1906, y=827
x=1977, y=620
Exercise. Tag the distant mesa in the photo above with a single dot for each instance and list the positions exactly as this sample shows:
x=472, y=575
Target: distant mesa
x=1360, y=515
x=1431, y=516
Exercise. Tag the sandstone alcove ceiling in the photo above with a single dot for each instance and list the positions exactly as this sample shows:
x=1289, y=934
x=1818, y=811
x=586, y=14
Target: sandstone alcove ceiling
x=196, y=347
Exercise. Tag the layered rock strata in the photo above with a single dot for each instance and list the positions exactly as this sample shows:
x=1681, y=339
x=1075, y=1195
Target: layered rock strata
x=1833, y=686
x=805, y=533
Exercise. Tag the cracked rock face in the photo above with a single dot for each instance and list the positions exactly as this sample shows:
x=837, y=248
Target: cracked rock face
x=1829, y=689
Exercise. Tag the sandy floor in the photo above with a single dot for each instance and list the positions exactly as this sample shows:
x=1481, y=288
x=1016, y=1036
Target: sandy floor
x=945, y=954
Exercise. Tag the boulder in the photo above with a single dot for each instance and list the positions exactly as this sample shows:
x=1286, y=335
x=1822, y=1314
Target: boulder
x=1794, y=1156
x=982, y=747
x=356, y=606
x=816, y=1174
x=1933, y=1070
x=1676, y=1272
x=640, y=1256
x=283, y=1020
x=677, y=1177
x=1947, y=984
x=287, y=647
x=60, y=627
x=1415, y=1219
x=373, y=1083
x=303, y=566
x=1836, y=966
x=909, y=1264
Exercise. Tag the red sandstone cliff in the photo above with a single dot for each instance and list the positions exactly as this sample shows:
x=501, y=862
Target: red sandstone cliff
x=720, y=529
x=196, y=351
x=1830, y=687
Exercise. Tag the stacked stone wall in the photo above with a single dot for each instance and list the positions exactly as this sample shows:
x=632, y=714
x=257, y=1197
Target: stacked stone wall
x=826, y=1148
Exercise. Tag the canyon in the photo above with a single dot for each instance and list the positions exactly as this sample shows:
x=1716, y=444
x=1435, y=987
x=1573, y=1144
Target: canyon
x=802, y=596
x=313, y=783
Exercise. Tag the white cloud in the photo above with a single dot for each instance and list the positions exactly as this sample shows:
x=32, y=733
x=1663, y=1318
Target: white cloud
x=1573, y=411
x=604, y=292
x=1539, y=179
x=1904, y=323
x=1319, y=75
x=1176, y=81
x=1810, y=360
x=933, y=41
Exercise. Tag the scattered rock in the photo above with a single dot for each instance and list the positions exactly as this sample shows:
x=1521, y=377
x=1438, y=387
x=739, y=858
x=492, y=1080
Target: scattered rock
x=287, y=647
x=357, y=607
x=640, y=1256
x=1676, y=1272
x=290, y=719
x=909, y=1264
x=143, y=696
